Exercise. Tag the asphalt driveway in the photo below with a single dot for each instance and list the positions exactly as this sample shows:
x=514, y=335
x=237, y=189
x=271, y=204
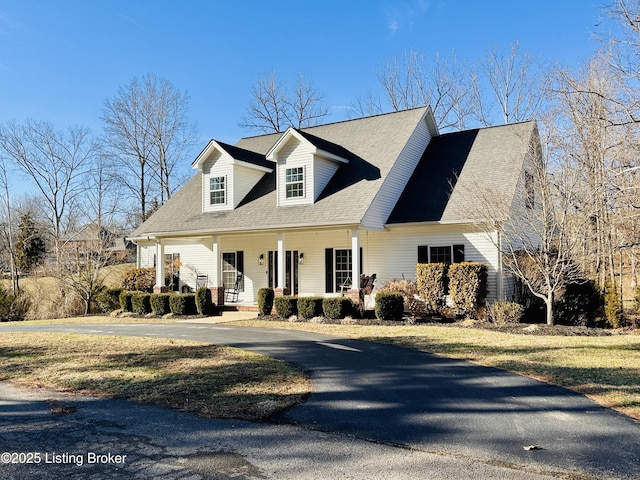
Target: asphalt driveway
x=424, y=403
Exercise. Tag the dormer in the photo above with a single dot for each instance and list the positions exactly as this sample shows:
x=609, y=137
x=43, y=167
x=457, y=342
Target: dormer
x=304, y=165
x=228, y=174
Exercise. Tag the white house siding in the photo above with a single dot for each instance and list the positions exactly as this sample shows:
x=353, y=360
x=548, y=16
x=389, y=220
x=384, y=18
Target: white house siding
x=217, y=166
x=244, y=179
x=395, y=181
x=323, y=170
x=295, y=154
x=146, y=254
x=394, y=253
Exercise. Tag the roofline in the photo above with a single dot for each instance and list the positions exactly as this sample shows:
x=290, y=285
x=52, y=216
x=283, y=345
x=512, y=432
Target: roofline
x=477, y=222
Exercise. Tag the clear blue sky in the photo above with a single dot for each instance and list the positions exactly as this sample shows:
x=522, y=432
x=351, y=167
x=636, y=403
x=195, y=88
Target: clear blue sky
x=60, y=59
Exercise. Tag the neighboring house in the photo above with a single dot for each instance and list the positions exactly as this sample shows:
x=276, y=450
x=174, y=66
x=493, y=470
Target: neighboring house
x=308, y=210
x=91, y=240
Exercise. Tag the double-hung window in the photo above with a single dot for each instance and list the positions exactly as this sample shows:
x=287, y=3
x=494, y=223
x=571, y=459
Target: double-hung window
x=217, y=191
x=294, y=182
x=447, y=254
x=344, y=267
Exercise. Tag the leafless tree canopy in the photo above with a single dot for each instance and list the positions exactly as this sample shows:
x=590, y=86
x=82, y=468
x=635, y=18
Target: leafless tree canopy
x=274, y=106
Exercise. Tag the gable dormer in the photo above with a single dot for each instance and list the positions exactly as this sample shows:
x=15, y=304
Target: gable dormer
x=228, y=174
x=304, y=165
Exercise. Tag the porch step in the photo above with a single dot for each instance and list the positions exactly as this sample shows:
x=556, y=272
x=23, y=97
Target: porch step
x=240, y=308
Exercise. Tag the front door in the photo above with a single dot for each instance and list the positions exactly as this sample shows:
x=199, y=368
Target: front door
x=291, y=263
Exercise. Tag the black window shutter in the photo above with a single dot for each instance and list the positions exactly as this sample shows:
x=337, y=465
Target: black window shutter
x=423, y=254
x=240, y=269
x=328, y=270
x=458, y=253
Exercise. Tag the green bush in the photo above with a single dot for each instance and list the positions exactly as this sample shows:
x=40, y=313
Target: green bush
x=13, y=308
x=106, y=300
x=416, y=307
x=468, y=287
x=389, y=306
x=580, y=304
x=505, y=313
x=141, y=303
x=160, y=303
x=431, y=280
x=140, y=279
x=612, y=305
x=204, y=303
x=286, y=306
x=309, y=307
x=265, y=301
x=337, y=307
x=125, y=301
x=183, y=303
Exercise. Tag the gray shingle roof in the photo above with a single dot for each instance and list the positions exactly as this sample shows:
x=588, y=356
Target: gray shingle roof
x=489, y=159
x=373, y=145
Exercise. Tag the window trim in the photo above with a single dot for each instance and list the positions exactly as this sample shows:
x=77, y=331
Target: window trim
x=457, y=253
x=220, y=179
x=348, y=271
x=298, y=183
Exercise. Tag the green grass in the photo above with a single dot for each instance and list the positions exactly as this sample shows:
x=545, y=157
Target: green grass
x=210, y=380
x=605, y=368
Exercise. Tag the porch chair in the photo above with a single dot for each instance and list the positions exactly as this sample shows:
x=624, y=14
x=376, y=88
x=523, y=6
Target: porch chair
x=231, y=294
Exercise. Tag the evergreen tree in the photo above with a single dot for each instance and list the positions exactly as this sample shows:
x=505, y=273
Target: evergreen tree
x=30, y=247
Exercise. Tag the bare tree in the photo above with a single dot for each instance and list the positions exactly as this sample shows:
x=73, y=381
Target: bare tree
x=56, y=162
x=8, y=230
x=147, y=131
x=515, y=83
x=414, y=81
x=274, y=106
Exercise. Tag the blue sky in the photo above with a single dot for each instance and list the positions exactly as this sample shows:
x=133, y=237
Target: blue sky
x=60, y=59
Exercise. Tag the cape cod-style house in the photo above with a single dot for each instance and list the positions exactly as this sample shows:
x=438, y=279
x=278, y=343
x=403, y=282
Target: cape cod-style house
x=307, y=211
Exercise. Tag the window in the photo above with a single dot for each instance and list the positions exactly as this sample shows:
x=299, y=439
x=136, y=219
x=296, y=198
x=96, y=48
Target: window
x=217, y=192
x=172, y=271
x=529, y=190
x=447, y=254
x=232, y=268
x=294, y=182
x=343, y=269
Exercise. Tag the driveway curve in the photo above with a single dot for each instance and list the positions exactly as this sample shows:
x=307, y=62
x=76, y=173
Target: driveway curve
x=396, y=396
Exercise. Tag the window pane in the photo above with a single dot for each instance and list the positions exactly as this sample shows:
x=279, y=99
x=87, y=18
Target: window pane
x=294, y=182
x=217, y=190
x=343, y=269
x=440, y=254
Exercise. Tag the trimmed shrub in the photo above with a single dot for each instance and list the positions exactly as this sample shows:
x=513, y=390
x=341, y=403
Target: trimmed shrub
x=612, y=305
x=141, y=303
x=337, y=307
x=416, y=307
x=265, y=301
x=106, y=300
x=468, y=287
x=182, y=303
x=389, y=306
x=125, y=301
x=140, y=279
x=13, y=308
x=160, y=303
x=204, y=303
x=505, y=313
x=286, y=306
x=431, y=282
x=580, y=304
x=309, y=307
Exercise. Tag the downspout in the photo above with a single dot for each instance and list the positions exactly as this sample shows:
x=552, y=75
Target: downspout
x=500, y=269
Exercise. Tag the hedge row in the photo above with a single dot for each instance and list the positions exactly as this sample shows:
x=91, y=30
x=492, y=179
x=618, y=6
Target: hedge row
x=144, y=303
x=305, y=307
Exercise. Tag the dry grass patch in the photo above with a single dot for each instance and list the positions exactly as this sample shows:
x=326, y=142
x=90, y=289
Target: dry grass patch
x=605, y=368
x=210, y=380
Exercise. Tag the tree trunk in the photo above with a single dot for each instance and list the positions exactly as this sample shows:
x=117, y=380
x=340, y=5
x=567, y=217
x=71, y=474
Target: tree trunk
x=549, y=303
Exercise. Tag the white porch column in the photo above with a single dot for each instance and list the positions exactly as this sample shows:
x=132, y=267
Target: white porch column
x=215, y=277
x=281, y=262
x=356, y=268
x=159, y=266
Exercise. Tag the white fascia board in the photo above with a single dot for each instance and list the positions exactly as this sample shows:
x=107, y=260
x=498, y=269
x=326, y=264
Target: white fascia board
x=271, y=154
x=330, y=156
x=253, y=166
x=208, y=150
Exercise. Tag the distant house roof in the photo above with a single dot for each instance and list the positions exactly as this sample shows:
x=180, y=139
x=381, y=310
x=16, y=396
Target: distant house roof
x=456, y=164
x=371, y=145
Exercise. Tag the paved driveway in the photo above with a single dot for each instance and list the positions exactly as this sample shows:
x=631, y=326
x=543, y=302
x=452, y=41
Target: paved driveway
x=428, y=404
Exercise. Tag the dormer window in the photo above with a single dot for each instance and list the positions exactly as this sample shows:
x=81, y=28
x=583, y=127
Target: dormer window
x=217, y=191
x=294, y=182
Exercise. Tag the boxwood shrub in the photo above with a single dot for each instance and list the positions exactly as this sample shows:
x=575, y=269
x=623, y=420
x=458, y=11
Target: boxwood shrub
x=431, y=280
x=309, y=307
x=286, y=306
x=265, y=301
x=160, y=303
x=337, y=307
x=106, y=300
x=182, y=303
x=125, y=300
x=204, y=303
x=141, y=303
x=389, y=306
